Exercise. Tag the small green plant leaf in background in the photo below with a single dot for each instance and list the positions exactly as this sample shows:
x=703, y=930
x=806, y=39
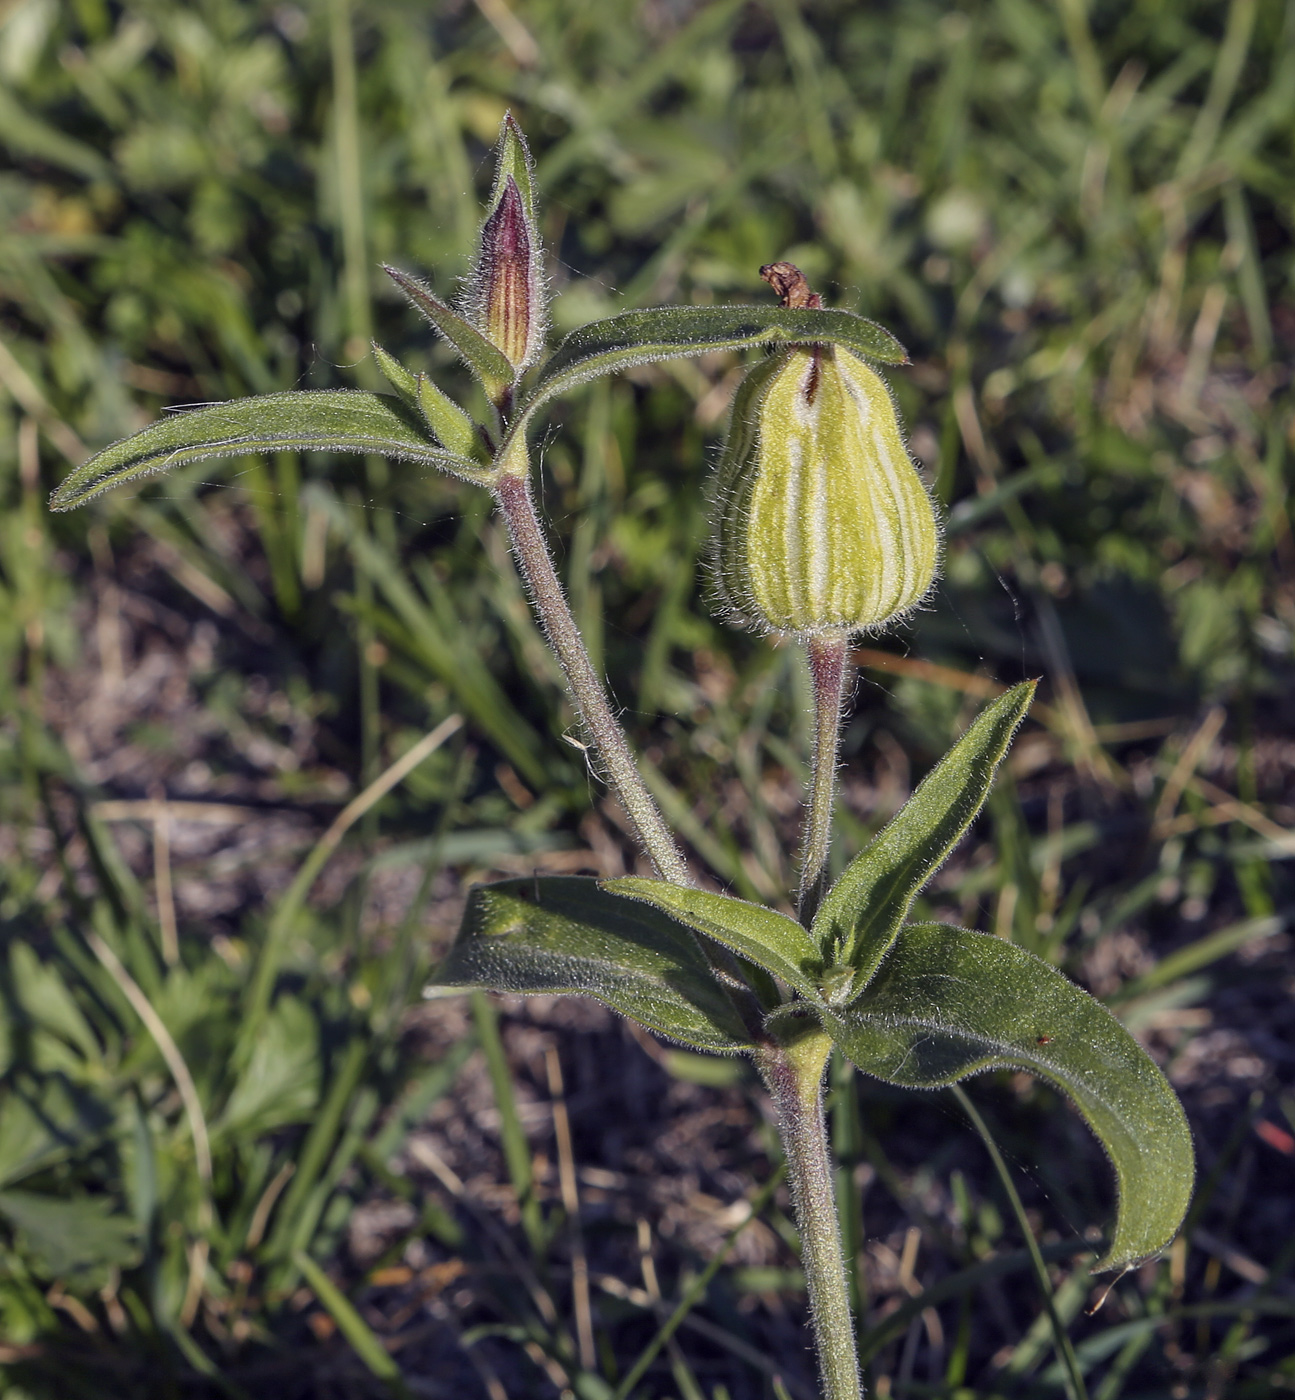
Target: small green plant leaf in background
x=43, y=995
x=326, y=420
x=281, y=1081
x=947, y=1003
x=43, y=1121
x=67, y=1236
x=366, y=1343
x=862, y=912
x=559, y=934
x=769, y=939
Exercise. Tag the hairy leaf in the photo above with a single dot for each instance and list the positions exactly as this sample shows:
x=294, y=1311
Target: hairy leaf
x=769, y=939
x=331, y=420
x=666, y=333
x=486, y=361
x=947, y=1003
x=446, y=420
x=402, y=380
x=862, y=912
x=564, y=934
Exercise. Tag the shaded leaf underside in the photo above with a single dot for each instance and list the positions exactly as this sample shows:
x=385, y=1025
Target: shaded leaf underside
x=340, y=420
x=564, y=934
x=769, y=939
x=947, y=1003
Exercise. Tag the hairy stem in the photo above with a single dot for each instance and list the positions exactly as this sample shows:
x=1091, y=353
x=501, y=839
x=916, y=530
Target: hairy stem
x=794, y=1075
x=514, y=497
x=828, y=668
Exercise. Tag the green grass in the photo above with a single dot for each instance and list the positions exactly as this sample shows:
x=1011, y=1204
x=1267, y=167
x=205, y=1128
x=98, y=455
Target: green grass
x=1077, y=218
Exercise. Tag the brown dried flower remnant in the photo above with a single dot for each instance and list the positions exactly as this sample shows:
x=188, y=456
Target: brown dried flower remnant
x=791, y=285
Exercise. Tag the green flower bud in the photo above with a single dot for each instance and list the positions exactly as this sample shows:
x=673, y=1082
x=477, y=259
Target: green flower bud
x=821, y=521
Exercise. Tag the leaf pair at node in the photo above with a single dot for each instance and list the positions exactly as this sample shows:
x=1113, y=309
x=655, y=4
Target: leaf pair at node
x=918, y=1005
x=498, y=330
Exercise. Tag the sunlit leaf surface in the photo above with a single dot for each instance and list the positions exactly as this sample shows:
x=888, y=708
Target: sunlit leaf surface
x=333, y=420
x=862, y=912
x=947, y=1003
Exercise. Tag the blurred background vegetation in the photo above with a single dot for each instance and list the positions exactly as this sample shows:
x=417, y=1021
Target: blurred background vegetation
x=236, y=1154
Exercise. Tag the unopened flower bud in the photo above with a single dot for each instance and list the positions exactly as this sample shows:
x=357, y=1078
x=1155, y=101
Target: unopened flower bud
x=822, y=522
x=505, y=294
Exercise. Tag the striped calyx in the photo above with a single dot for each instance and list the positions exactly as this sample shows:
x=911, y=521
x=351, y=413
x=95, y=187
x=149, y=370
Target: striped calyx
x=505, y=298
x=821, y=520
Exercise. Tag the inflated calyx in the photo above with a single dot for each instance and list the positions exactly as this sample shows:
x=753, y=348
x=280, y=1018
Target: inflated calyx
x=821, y=521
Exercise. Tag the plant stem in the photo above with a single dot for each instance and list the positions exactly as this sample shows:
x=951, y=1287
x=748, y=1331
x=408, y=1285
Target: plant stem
x=794, y=1075
x=513, y=494
x=827, y=655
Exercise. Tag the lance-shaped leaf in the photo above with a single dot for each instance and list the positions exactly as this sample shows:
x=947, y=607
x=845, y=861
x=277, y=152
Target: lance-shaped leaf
x=767, y=938
x=862, y=912
x=403, y=381
x=447, y=421
x=445, y=418
x=947, y=1003
x=564, y=934
x=332, y=420
x=670, y=332
x=486, y=361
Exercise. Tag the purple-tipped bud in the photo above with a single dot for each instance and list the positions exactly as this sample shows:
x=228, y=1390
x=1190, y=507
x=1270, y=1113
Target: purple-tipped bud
x=504, y=299
x=506, y=281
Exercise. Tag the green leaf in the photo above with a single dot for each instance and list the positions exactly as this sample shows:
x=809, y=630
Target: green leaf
x=281, y=1081
x=402, y=380
x=42, y=993
x=665, y=333
x=451, y=426
x=769, y=939
x=364, y=1341
x=22, y=131
x=69, y=1235
x=947, y=1003
x=485, y=360
x=330, y=420
x=445, y=418
x=564, y=934
x=862, y=912
x=44, y=1121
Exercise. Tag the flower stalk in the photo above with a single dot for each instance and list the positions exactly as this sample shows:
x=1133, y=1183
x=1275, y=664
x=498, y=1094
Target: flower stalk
x=829, y=670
